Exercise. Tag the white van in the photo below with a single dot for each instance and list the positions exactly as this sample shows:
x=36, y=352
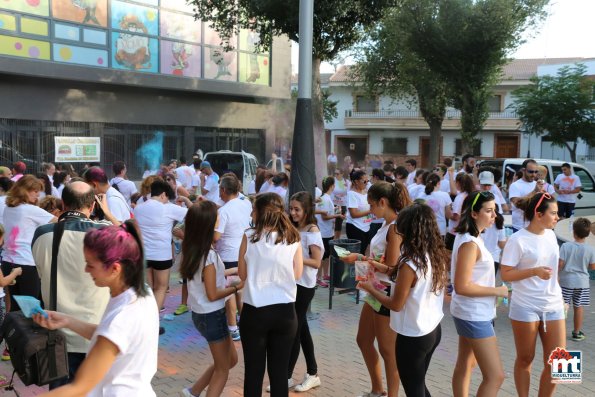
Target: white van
x=585, y=204
x=240, y=163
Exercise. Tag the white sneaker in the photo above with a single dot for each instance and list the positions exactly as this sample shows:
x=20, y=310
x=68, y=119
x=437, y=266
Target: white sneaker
x=187, y=393
x=290, y=384
x=310, y=382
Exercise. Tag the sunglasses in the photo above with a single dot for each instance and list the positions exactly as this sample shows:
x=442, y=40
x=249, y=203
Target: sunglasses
x=543, y=195
x=487, y=195
x=531, y=171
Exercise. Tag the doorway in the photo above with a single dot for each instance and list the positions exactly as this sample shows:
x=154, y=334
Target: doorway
x=354, y=146
x=507, y=146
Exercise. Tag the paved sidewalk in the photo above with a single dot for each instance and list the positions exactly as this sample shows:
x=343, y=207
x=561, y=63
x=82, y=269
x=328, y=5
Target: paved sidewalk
x=183, y=354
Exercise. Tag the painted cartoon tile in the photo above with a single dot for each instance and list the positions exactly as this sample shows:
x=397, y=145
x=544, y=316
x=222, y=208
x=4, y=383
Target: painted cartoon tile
x=220, y=65
x=36, y=7
x=179, y=26
x=95, y=36
x=180, y=59
x=80, y=55
x=254, y=68
x=26, y=48
x=8, y=22
x=66, y=32
x=34, y=26
x=88, y=12
x=133, y=18
x=134, y=52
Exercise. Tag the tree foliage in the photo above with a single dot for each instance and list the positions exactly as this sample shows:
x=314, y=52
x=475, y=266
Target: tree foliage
x=560, y=107
x=338, y=25
x=466, y=42
x=388, y=65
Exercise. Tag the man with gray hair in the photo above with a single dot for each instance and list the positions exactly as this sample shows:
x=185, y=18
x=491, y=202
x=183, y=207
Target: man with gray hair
x=77, y=294
x=234, y=219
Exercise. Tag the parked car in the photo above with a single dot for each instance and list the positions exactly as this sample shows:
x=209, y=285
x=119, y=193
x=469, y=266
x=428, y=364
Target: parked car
x=240, y=163
x=585, y=204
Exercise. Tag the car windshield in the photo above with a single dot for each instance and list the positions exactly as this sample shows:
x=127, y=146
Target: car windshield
x=223, y=163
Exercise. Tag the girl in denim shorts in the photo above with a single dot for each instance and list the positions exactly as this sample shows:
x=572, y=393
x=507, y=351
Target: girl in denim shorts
x=205, y=272
x=530, y=261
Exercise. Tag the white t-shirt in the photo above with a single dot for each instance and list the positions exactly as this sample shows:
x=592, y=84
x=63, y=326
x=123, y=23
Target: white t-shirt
x=196, y=181
x=270, y=278
x=197, y=293
x=422, y=311
x=308, y=279
x=117, y=205
x=234, y=220
x=438, y=201
x=378, y=248
x=520, y=188
x=340, y=192
x=525, y=250
x=280, y=190
x=478, y=308
x=212, y=186
x=266, y=185
x=252, y=187
x=156, y=221
x=126, y=187
x=132, y=324
x=411, y=178
x=358, y=201
x=491, y=236
x=2, y=207
x=570, y=182
x=327, y=228
x=20, y=223
x=445, y=186
x=184, y=174
x=415, y=190
x=457, y=208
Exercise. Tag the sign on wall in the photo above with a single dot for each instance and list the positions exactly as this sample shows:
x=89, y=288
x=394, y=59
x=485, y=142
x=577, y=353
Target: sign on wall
x=74, y=149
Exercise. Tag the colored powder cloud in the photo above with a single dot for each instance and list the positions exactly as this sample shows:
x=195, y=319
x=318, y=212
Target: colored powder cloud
x=151, y=153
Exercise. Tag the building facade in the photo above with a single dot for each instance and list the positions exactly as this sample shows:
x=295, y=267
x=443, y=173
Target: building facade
x=123, y=70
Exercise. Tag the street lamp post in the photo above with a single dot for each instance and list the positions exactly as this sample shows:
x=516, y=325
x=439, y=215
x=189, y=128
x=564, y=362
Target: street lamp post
x=303, y=175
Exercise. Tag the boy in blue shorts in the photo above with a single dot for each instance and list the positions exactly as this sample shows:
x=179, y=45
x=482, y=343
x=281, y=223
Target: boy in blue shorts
x=576, y=258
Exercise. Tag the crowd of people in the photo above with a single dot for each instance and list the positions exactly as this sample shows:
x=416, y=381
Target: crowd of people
x=250, y=265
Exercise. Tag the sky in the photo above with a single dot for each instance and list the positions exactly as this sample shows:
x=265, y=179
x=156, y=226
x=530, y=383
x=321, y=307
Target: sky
x=568, y=31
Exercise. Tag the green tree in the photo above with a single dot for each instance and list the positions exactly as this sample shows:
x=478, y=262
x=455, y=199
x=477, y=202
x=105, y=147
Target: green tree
x=466, y=42
x=560, y=107
x=388, y=65
x=338, y=25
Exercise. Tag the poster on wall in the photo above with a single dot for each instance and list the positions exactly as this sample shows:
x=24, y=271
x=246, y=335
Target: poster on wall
x=75, y=149
x=91, y=12
x=179, y=26
x=221, y=65
x=134, y=52
x=254, y=68
x=133, y=18
x=36, y=7
x=180, y=59
x=213, y=38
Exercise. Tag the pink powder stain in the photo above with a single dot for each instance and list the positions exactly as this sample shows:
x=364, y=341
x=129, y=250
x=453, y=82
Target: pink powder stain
x=34, y=52
x=33, y=3
x=18, y=46
x=100, y=61
x=11, y=243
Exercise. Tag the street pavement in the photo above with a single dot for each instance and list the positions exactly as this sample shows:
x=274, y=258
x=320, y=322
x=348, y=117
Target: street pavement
x=184, y=354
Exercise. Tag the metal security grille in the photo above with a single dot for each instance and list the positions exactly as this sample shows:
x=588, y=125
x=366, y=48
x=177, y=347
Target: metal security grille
x=33, y=142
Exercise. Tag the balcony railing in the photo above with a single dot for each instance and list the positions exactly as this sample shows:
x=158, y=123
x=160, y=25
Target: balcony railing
x=414, y=114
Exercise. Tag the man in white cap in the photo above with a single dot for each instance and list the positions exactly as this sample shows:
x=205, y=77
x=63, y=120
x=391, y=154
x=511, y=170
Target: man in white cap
x=209, y=182
x=486, y=182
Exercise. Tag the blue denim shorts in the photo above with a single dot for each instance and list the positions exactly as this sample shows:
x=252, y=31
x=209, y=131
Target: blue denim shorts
x=474, y=329
x=212, y=326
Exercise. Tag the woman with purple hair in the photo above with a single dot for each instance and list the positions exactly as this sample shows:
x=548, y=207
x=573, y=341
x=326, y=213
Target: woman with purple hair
x=123, y=355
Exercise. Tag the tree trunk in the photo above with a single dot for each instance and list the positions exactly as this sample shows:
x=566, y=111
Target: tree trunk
x=572, y=150
x=435, y=138
x=320, y=150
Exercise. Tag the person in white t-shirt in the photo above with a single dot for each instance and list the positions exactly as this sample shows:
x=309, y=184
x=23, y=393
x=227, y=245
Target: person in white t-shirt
x=207, y=292
x=567, y=185
x=209, y=182
x=184, y=173
x=473, y=304
x=542, y=175
x=270, y=262
x=410, y=165
x=420, y=277
x=120, y=183
x=418, y=187
x=97, y=178
x=301, y=210
x=521, y=188
x=359, y=216
x=280, y=183
x=342, y=186
x=530, y=261
x=439, y=201
x=122, y=358
x=326, y=215
x=156, y=218
x=447, y=184
x=195, y=188
x=234, y=220
x=21, y=217
x=464, y=186
x=494, y=237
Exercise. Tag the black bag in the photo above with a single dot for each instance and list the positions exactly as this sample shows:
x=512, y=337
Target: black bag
x=38, y=355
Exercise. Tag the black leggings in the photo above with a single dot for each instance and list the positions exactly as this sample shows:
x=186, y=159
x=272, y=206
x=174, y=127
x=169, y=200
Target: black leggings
x=27, y=283
x=302, y=337
x=413, y=359
x=353, y=232
x=268, y=333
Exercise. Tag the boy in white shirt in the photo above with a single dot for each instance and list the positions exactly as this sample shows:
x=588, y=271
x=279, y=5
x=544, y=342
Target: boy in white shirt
x=567, y=185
